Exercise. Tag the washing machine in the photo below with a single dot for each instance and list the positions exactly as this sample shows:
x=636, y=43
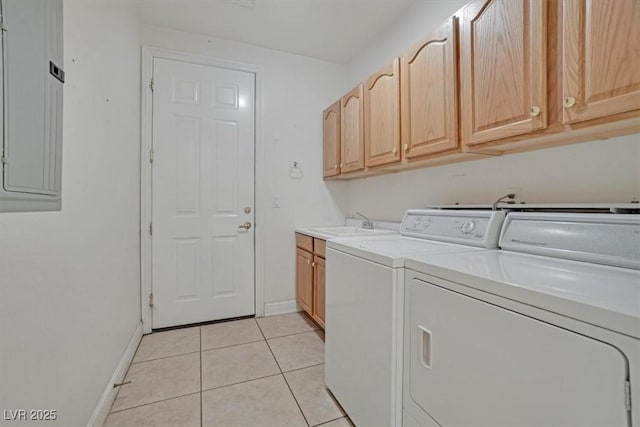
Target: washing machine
x=542, y=332
x=364, y=305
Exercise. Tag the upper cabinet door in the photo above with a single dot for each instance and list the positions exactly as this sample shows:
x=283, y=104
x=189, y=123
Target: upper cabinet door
x=429, y=94
x=503, y=69
x=382, y=116
x=601, y=58
x=352, y=132
x=331, y=140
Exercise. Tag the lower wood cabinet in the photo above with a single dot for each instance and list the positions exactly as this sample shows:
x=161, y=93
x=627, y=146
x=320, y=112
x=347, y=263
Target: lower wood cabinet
x=318, y=290
x=310, y=277
x=304, y=280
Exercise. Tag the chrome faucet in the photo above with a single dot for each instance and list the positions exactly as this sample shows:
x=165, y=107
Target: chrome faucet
x=367, y=224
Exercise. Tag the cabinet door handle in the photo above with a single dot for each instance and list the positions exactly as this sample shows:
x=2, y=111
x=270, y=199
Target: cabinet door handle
x=341, y=165
x=569, y=102
x=395, y=151
x=313, y=264
x=335, y=167
x=406, y=147
x=534, y=111
x=308, y=262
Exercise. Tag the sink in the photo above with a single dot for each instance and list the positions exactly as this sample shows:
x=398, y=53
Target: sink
x=345, y=231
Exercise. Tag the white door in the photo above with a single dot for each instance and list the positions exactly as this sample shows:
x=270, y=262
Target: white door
x=203, y=192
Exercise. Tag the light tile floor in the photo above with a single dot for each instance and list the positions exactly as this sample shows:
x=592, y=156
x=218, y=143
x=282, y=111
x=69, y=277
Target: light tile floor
x=251, y=372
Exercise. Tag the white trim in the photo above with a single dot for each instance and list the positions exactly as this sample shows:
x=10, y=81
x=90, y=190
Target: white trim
x=108, y=396
x=283, y=307
x=148, y=53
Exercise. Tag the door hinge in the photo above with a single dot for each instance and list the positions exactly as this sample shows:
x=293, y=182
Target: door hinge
x=151, y=228
x=151, y=156
x=3, y=27
x=4, y=159
x=151, y=299
x=151, y=84
x=627, y=395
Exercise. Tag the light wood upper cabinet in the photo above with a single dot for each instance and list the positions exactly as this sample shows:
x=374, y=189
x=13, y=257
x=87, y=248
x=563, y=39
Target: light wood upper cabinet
x=429, y=94
x=304, y=280
x=503, y=69
x=352, y=131
x=382, y=116
x=600, y=57
x=331, y=140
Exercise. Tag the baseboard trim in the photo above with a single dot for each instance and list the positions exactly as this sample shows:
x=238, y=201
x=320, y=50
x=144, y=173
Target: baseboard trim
x=284, y=307
x=108, y=396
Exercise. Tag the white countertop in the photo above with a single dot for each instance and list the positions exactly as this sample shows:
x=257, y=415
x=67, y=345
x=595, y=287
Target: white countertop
x=601, y=295
x=380, y=228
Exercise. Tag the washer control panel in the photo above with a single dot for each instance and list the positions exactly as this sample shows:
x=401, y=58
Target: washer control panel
x=477, y=228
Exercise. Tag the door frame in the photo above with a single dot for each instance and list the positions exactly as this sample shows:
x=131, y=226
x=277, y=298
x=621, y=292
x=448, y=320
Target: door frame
x=146, y=131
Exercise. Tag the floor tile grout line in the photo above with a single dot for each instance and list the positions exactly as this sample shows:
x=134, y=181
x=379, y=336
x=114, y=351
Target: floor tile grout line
x=163, y=357
x=285, y=380
x=155, y=401
x=296, y=400
x=304, y=367
x=241, y=382
x=232, y=345
x=329, y=421
x=290, y=335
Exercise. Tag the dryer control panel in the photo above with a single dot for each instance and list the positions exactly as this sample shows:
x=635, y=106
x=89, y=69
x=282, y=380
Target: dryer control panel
x=475, y=228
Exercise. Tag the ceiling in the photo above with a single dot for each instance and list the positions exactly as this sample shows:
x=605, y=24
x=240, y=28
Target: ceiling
x=333, y=30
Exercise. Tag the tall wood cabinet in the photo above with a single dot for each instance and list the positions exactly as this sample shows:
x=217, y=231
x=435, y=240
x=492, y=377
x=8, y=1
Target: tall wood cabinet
x=502, y=69
x=352, y=131
x=429, y=94
x=382, y=116
x=600, y=58
x=331, y=140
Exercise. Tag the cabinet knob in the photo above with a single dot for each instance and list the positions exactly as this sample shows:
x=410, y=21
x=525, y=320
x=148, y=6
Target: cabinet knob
x=569, y=102
x=335, y=167
x=341, y=164
x=534, y=111
x=313, y=264
x=308, y=262
x=395, y=151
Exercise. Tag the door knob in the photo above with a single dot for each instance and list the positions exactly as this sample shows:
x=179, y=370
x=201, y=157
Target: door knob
x=246, y=225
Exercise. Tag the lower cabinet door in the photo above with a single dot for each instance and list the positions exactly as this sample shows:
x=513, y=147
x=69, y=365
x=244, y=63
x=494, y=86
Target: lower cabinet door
x=318, y=290
x=304, y=280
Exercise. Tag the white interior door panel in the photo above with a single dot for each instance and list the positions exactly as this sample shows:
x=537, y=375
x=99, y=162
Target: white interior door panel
x=203, y=191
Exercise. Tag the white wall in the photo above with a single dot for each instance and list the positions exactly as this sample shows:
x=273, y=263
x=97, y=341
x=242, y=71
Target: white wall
x=69, y=281
x=295, y=91
x=420, y=19
x=599, y=171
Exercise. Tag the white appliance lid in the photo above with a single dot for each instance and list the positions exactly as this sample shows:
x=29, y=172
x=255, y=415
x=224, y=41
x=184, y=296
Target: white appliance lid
x=392, y=250
x=605, y=296
x=611, y=239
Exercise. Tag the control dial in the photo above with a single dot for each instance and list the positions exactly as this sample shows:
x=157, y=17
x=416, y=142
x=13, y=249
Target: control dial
x=468, y=226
